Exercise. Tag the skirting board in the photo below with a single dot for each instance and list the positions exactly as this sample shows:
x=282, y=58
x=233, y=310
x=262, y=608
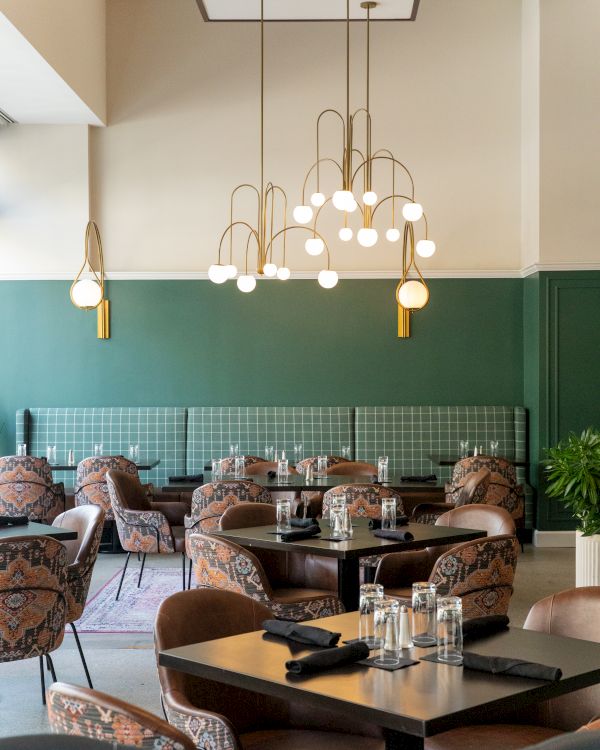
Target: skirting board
x=553, y=538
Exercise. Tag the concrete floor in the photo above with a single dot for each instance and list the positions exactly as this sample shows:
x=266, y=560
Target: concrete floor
x=124, y=665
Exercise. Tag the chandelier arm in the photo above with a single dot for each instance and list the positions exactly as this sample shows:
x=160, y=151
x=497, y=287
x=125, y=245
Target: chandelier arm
x=390, y=197
x=251, y=234
x=375, y=157
x=231, y=201
x=278, y=188
x=100, y=256
x=387, y=152
x=325, y=158
x=230, y=228
x=306, y=229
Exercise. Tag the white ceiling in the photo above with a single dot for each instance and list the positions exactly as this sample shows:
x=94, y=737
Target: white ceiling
x=304, y=10
x=31, y=91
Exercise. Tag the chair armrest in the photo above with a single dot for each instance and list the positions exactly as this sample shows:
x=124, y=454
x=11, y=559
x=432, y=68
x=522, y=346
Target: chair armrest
x=174, y=512
x=149, y=523
x=401, y=569
x=207, y=729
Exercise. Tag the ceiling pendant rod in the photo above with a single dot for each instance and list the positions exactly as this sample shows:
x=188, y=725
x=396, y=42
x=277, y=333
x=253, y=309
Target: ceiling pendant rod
x=263, y=202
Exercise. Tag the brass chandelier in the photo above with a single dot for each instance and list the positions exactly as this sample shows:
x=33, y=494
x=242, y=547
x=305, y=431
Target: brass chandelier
x=356, y=174
x=88, y=291
x=270, y=227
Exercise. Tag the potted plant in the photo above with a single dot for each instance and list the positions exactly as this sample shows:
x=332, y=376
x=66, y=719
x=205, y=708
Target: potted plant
x=573, y=475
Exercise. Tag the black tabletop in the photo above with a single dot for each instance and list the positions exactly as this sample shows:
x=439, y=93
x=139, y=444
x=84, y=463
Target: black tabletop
x=421, y=700
x=440, y=460
x=143, y=464
x=36, y=529
x=362, y=544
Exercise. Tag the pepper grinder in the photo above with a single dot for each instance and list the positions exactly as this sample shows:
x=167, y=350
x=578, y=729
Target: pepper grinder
x=405, y=639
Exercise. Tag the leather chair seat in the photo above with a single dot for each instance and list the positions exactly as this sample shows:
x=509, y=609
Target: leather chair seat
x=303, y=739
x=400, y=593
x=491, y=737
x=179, y=538
x=291, y=595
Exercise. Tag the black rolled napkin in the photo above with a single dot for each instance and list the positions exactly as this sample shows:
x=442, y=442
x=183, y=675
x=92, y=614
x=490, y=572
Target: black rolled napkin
x=375, y=523
x=306, y=533
x=14, y=520
x=271, y=474
x=419, y=478
x=187, y=478
x=396, y=534
x=303, y=523
x=479, y=627
x=302, y=633
x=514, y=667
x=328, y=659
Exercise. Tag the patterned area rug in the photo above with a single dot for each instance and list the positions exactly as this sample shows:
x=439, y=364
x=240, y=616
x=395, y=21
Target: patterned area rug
x=136, y=609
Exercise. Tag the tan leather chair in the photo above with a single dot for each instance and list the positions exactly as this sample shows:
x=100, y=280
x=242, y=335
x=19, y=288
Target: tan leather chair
x=574, y=613
x=247, y=515
x=83, y=712
x=472, y=491
x=87, y=521
x=221, y=716
x=262, y=468
x=353, y=469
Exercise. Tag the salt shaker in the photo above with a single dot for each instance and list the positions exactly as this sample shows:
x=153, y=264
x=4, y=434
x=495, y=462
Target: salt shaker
x=405, y=639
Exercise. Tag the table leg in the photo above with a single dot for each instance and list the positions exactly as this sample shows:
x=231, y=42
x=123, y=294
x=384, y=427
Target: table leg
x=349, y=583
x=403, y=741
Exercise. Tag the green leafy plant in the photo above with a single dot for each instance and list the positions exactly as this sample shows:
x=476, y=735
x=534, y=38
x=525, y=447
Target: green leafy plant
x=573, y=475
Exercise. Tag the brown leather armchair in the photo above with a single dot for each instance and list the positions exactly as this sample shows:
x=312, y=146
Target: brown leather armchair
x=472, y=491
x=247, y=515
x=262, y=468
x=353, y=469
x=252, y=721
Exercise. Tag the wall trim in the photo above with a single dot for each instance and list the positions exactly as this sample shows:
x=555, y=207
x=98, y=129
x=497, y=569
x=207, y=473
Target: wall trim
x=553, y=538
x=540, y=267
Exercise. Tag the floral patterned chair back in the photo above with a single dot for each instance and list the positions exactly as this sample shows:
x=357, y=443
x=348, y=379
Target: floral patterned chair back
x=90, y=484
x=33, y=601
x=362, y=500
x=210, y=501
x=481, y=572
x=27, y=489
x=88, y=713
x=496, y=465
x=331, y=461
x=228, y=464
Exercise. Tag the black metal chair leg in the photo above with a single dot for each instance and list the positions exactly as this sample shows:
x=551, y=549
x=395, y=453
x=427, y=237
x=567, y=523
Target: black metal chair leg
x=42, y=679
x=141, y=570
x=122, y=576
x=190, y=574
x=85, y=669
x=50, y=664
x=183, y=568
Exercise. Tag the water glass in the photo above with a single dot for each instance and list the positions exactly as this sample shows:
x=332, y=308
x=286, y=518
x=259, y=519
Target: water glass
x=98, y=449
x=233, y=449
x=71, y=457
x=217, y=469
x=347, y=526
x=239, y=467
x=387, y=629
x=321, y=466
x=337, y=513
x=269, y=453
x=345, y=452
x=388, y=513
x=463, y=448
x=284, y=515
x=282, y=469
x=298, y=452
x=51, y=454
x=370, y=594
x=21, y=449
x=382, y=469
x=134, y=452
x=449, y=629
x=424, y=614
x=494, y=447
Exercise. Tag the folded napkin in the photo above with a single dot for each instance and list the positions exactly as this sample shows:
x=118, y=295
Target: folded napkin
x=419, y=478
x=303, y=523
x=302, y=633
x=187, y=478
x=514, y=667
x=271, y=474
x=478, y=627
x=14, y=520
x=328, y=659
x=307, y=533
x=375, y=523
x=397, y=534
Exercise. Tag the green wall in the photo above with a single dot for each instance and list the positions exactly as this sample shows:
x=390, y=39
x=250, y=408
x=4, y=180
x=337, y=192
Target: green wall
x=193, y=343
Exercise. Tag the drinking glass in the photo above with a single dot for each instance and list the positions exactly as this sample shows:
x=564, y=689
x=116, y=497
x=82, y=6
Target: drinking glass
x=321, y=466
x=494, y=447
x=269, y=452
x=449, y=629
x=284, y=514
x=337, y=510
x=217, y=469
x=21, y=449
x=134, y=452
x=387, y=628
x=370, y=594
x=424, y=614
x=51, y=454
x=233, y=449
x=464, y=448
x=71, y=458
x=388, y=513
x=347, y=525
x=382, y=469
x=298, y=452
x=239, y=467
x=282, y=469
x=345, y=451
x=98, y=449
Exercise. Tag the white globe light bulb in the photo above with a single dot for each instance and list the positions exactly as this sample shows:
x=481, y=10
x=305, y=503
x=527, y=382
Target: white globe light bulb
x=370, y=198
x=218, y=274
x=351, y=206
x=392, y=235
x=303, y=214
x=317, y=199
x=86, y=293
x=412, y=211
x=345, y=234
x=231, y=271
x=314, y=246
x=327, y=279
x=283, y=273
x=425, y=248
x=246, y=283
x=413, y=295
x=270, y=270
x=343, y=199
x=367, y=236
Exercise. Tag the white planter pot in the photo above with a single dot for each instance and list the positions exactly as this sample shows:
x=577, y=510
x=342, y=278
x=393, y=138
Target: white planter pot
x=587, y=560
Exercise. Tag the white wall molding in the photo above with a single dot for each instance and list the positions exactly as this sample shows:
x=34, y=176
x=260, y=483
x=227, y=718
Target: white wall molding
x=538, y=267
x=553, y=538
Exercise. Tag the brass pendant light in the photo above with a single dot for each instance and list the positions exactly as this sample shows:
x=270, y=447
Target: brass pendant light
x=87, y=290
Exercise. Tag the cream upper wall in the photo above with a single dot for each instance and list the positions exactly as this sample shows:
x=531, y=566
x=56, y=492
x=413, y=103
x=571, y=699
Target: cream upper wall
x=71, y=36
x=530, y=134
x=183, y=128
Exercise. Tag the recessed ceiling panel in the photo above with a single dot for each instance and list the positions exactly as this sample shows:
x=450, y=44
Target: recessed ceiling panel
x=305, y=10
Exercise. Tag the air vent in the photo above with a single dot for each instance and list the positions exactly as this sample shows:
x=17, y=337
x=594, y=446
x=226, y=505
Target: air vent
x=5, y=119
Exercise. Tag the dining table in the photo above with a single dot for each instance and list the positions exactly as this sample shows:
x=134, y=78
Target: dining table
x=36, y=529
x=348, y=552
x=408, y=704
x=449, y=460
x=143, y=464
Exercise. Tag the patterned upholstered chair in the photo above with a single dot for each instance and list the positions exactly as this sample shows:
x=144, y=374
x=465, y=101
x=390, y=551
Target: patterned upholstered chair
x=353, y=469
x=481, y=572
x=471, y=491
x=88, y=713
x=221, y=717
x=90, y=483
x=82, y=552
x=27, y=489
x=474, y=463
x=210, y=501
x=228, y=464
x=33, y=599
x=221, y=564
x=144, y=526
